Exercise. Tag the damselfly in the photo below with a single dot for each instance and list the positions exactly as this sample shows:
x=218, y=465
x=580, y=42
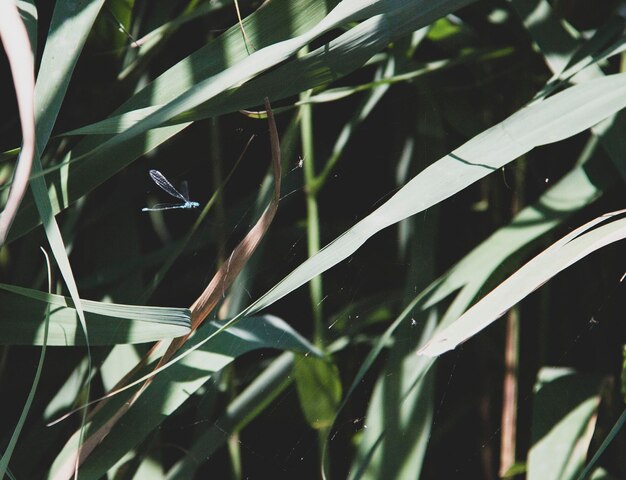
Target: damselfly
x=183, y=195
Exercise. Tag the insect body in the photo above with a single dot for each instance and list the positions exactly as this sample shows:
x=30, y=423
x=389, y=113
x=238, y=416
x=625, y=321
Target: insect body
x=183, y=195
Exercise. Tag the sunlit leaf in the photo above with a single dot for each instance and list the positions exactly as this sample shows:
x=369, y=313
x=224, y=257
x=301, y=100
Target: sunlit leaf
x=319, y=390
x=23, y=313
x=565, y=252
x=564, y=417
x=172, y=389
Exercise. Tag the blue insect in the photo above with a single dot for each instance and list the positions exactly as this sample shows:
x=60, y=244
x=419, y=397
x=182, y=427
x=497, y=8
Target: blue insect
x=183, y=195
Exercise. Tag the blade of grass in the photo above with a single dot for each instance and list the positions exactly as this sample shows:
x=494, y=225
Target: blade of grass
x=339, y=93
x=407, y=17
x=20, y=55
x=579, y=188
x=22, y=311
x=560, y=255
x=400, y=410
x=565, y=409
x=28, y=12
x=277, y=21
x=552, y=120
x=569, y=195
x=573, y=191
x=370, y=36
x=6, y=456
x=69, y=27
x=605, y=444
x=203, y=306
x=168, y=392
x=321, y=66
x=380, y=344
x=547, y=30
x=149, y=43
x=560, y=45
x=255, y=398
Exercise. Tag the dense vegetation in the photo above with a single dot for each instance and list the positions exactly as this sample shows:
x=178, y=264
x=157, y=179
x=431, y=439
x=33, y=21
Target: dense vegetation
x=380, y=182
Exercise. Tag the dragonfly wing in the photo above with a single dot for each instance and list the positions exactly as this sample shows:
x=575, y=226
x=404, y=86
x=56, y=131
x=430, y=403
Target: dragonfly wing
x=184, y=190
x=163, y=182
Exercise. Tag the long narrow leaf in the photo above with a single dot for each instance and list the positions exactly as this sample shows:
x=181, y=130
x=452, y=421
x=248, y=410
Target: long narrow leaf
x=567, y=251
x=392, y=20
x=545, y=122
x=246, y=406
x=6, y=457
x=23, y=313
x=208, y=300
x=168, y=392
x=564, y=416
x=18, y=50
x=70, y=25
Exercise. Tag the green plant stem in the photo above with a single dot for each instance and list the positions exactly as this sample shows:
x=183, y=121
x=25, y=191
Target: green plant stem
x=313, y=230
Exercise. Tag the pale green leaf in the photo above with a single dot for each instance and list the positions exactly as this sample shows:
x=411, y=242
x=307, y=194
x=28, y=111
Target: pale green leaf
x=564, y=416
x=6, y=456
x=554, y=119
x=245, y=407
x=99, y=161
x=397, y=427
x=615, y=430
x=23, y=320
x=565, y=252
x=319, y=390
x=172, y=388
